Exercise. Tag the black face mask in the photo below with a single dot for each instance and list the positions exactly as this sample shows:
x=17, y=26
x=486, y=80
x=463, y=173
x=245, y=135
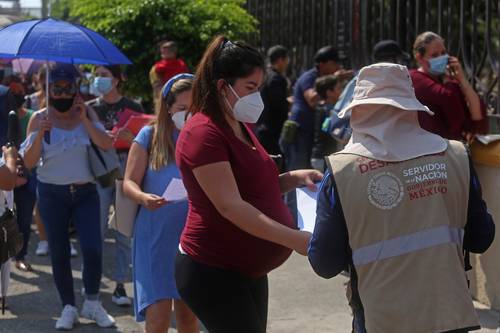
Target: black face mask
x=61, y=104
x=19, y=101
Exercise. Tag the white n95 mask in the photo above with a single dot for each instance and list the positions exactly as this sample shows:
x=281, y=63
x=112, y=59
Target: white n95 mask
x=247, y=108
x=179, y=119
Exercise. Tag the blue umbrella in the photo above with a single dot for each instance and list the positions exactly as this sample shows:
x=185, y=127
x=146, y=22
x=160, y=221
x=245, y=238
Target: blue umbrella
x=54, y=40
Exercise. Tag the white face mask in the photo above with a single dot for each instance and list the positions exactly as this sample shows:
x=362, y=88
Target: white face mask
x=179, y=119
x=247, y=108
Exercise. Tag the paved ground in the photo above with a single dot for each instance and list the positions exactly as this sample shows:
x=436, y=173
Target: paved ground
x=299, y=301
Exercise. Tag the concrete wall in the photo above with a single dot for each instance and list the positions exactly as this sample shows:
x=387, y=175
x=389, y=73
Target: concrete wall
x=485, y=277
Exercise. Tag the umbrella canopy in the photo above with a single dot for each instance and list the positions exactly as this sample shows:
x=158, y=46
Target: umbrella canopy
x=26, y=65
x=55, y=40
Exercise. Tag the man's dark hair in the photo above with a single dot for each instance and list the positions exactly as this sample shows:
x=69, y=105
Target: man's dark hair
x=276, y=52
x=326, y=53
x=325, y=83
x=389, y=50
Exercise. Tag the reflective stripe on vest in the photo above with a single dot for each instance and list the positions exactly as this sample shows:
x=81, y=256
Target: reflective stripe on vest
x=409, y=243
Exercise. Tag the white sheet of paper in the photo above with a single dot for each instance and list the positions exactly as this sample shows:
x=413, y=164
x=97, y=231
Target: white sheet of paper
x=306, y=208
x=175, y=191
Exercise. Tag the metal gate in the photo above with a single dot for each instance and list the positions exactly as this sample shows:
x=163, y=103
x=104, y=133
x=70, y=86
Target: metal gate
x=471, y=30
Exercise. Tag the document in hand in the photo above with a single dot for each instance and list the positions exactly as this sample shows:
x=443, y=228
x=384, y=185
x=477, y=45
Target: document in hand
x=175, y=191
x=306, y=208
x=134, y=123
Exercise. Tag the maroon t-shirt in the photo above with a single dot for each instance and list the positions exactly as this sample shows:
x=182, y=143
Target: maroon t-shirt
x=447, y=101
x=208, y=237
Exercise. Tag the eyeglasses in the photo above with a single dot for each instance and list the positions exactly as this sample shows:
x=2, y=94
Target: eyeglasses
x=68, y=90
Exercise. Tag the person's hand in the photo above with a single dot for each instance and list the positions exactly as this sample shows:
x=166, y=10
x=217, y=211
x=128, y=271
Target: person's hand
x=80, y=107
x=456, y=69
x=301, y=244
x=9, y=154
x=152, y=201
x=468, y=137
x=125, y=134
x=308, y=178
x=344, y=74
x=45, y=125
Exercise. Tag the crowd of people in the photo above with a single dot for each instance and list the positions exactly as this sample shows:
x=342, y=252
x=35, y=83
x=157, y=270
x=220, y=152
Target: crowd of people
x=386, y=143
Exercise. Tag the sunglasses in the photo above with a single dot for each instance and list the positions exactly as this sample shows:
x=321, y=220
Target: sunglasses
x=68, y=90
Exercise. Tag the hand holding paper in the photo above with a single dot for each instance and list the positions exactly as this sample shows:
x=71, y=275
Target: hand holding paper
x=175, y=191
x=306, y=208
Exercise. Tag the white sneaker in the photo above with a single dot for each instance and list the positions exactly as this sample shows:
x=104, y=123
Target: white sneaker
x=93, y=310
x=120, y=297
x=74, y=252
x=43, y=248
x=69, y=317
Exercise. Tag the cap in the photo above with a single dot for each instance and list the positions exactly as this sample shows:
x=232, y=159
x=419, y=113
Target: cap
x=388, y=48
x=65, y=72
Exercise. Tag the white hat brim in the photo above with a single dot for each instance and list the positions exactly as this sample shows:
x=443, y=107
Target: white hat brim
x=409, y=104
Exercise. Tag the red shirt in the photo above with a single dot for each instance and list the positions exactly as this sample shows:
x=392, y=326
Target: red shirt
x=447, y=101
x=208, y=237
x=168, y=68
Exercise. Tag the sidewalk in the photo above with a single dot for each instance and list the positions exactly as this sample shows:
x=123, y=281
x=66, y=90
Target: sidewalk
x=300, y=301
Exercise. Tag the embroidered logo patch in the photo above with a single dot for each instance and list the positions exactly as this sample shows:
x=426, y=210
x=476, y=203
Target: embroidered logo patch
x=385, y=190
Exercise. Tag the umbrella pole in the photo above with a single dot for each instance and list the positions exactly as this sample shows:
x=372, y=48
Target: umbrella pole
x=47, y=73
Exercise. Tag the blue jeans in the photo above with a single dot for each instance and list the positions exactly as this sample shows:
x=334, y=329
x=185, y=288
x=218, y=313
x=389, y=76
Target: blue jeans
x=25, y=198
x=58, y=205
x=121, y=269
x=298, y=153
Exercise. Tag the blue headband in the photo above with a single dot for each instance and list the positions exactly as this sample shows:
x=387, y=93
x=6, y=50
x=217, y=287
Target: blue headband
x=168, y=86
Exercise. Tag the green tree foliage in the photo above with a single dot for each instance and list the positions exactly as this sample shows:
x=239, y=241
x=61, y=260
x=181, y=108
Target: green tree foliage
x=136, y=27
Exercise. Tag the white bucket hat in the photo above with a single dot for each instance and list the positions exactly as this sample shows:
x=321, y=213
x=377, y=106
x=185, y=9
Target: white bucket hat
x=387, y=84
x=382, y=128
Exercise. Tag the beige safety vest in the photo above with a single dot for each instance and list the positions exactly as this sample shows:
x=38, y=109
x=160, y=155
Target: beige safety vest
x=405, y=222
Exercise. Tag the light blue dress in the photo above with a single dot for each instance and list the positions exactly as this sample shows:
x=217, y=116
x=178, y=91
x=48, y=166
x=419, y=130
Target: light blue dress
x=156, y=238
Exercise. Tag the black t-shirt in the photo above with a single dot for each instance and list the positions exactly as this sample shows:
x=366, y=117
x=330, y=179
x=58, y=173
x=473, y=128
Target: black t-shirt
x=109, y=113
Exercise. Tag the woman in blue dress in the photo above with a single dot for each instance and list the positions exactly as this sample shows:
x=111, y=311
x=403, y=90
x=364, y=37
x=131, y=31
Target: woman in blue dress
x=158, y=225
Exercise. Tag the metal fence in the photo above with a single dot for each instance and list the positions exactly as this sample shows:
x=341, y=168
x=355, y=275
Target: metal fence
x=471, y=29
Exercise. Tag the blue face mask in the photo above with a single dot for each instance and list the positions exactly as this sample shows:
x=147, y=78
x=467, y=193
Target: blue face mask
x=437, y=66
x=103, y=85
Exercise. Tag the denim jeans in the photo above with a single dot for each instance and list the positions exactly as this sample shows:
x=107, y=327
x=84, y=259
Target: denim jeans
x=58, y=205
x=122, y=255
x=25, y=198
x=299, y=153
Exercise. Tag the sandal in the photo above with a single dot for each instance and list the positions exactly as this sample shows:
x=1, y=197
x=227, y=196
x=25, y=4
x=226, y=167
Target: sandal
x=23, y=266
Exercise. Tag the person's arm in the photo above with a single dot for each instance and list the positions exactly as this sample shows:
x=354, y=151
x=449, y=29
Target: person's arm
x=311, y=97
x=218, y=182
x=329, y=252
x=37, y=126
x=471, y=96
x=297, y=178
x=98, y=136
x=277, y=92
x=8, y=171
x=137, y=164
x=480, y=228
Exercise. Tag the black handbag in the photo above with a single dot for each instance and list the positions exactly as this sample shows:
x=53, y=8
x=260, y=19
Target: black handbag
x=11, y=240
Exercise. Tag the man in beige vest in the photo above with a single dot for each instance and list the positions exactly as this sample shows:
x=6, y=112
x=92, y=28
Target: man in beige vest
x=397, y=208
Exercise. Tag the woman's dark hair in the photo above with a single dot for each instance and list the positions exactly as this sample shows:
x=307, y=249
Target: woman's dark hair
x=225, y=60
x=116, y=71
x=325, y=83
